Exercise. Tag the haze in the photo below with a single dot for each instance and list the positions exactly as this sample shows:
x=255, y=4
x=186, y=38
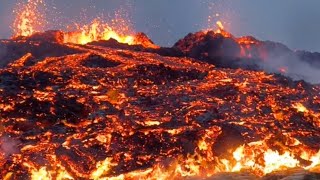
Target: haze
x=295, y=23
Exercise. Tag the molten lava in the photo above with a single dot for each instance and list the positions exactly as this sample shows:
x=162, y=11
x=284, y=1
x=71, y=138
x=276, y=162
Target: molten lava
x=70, y=111
x=118, y=114
x=221, y=30
x=96, y=31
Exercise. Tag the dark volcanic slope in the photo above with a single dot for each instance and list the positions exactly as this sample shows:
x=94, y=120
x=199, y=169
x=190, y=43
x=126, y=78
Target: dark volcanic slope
x=11, y=50
x=119, y=113
x=225, y=50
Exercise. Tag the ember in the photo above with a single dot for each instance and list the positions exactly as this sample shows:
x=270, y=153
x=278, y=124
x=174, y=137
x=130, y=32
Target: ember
x=29, y=18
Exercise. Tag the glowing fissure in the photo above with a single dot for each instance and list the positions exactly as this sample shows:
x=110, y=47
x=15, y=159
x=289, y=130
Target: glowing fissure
x=96, y=31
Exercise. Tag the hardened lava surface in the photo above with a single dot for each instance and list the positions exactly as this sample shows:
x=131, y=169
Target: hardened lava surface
x=102, y=113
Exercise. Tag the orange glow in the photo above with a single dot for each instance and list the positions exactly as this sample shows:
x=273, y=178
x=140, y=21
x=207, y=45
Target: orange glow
x=29, y=19
x=41, y=174
x=300, y=107
x=102, y=167
x=96, y=31
x=129, y=114
x=219, y=23
x=260, y=158
x=77, y=153
x=221, y=30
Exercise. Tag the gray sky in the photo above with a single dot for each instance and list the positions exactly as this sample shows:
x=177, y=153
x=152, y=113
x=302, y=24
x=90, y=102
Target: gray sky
x=295, y=23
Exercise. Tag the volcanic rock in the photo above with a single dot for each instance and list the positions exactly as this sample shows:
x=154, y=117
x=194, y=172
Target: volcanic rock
x=225, y=50
x=47, y=36
x=39, y=46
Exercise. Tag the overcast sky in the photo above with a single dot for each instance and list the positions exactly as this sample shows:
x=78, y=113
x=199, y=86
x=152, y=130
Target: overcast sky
x=295, y=23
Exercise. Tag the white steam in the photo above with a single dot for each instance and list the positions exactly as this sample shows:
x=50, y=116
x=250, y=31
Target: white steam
x=292, y=66
x=8, y=146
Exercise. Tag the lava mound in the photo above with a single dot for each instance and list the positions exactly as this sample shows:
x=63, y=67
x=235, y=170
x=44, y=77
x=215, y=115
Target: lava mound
x=225, y=50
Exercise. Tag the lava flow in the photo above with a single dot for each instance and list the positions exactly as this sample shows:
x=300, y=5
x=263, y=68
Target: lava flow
x=97, y=108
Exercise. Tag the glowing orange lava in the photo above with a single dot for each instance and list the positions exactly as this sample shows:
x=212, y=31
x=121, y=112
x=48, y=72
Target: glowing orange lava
x=256, y=157
x=262, y=159
x=29, y=19
x=96, y=31
x=112, y=141
x=221, y=29
x=219, y=23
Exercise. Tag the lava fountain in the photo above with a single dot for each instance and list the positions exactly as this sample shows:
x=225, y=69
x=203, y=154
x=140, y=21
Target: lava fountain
x=96, y=31
x=29, y=18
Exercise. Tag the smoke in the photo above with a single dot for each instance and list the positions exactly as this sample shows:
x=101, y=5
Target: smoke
x=8, y=146
x=300, y=65
x=297, y=65
x=3, y=53
x=294, y=67
x=272, y=57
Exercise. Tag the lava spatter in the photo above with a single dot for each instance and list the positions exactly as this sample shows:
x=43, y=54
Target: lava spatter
x=29, y=18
